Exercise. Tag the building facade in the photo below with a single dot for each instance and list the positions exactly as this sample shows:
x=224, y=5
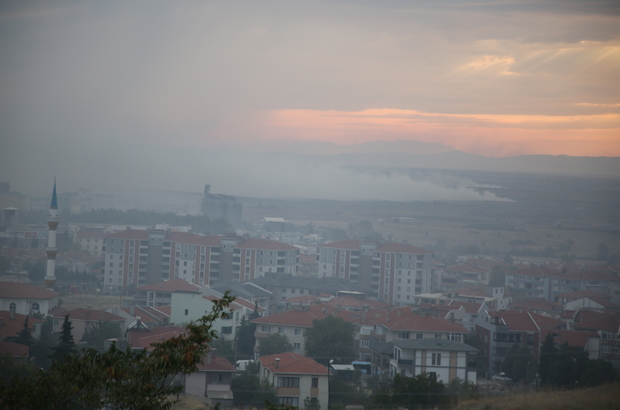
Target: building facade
x=394, y=271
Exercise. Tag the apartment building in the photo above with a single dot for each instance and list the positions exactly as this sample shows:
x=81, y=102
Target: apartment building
x=144, y=257
x=394, y=271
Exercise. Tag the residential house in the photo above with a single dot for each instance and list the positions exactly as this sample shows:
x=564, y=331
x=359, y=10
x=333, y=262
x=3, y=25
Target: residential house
x=26, y=299
x=83, y=320
x=301, y=381
x=607, y=326
x=212, y=381
x=12, y=323
x=448, y=360
x=160, y=294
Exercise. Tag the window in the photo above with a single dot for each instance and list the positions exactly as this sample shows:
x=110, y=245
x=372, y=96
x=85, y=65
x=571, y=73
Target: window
x=280, y=330
x=403, y=335
x=186, y=312
x=288, y=381
x=297, y=331
x=12, y=307
x=436, y=359
x=265, y=328
x=35, y=307
x=226, y=330
x=419, y=335
x=297, y=346
x=217, y=378
x=315, y=382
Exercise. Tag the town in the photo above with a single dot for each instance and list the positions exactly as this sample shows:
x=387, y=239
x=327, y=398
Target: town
x=324, y=323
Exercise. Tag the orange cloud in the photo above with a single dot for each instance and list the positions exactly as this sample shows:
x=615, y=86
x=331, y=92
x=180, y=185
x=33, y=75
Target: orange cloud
x=488, y=134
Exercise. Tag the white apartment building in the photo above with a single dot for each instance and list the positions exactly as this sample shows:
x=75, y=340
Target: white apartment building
x=394, y=271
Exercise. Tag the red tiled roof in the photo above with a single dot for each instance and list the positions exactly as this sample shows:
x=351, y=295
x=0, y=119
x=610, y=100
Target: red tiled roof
x=91, y=315
x=129, y=234
x=545, y=322
x=13, y=349
x=25, y=290
x=13, y=327
x=572, y=337
x=258, y=243
x=301, y=318
x=476, y=291
x=292, y=363
x=354, y=303
x=395, y=247
x=463, y=267
x=608, y=323
x=193, y=239
x=307, y=299
x=166, y=310
x=144, y=338
x=172, y=285
x=407, y=318
x=218, y=364
x=517, y=321
x=247, y=304
x=534, y=271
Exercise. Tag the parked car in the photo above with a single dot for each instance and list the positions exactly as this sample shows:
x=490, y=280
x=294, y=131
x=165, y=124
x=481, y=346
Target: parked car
x=501, y=377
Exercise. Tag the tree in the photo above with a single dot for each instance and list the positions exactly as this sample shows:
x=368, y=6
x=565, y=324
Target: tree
x=343, y=393
x=330, y=338
x=224, y=348
x=117, y=379
x=24, y=337
x=96, y=335
x=34, y=243
x=275, y=343
x=42, y=348
x=245, y=336
x=248, y=391
x=547, y=357
x=66, y=344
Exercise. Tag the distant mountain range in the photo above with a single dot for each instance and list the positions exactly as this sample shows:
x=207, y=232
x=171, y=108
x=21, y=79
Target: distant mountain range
x=373, y=147
x=417, y=154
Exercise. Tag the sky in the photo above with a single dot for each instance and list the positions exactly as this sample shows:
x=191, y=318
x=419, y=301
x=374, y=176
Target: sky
x=495, y=78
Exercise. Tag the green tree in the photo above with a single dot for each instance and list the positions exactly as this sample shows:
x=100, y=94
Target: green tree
x=24, y=336
x=66, y=345
x=224, y=348
x=96, y=335
x=117, y=379
x=275, y=343
x=248, y=391
x=547, y=357
x=330, y=338
x=41, y=349
x=245, y=336
x=508, y=365
x=343, y=393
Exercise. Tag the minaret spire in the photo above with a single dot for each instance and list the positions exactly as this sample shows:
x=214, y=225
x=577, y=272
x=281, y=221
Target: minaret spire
x=52, y=223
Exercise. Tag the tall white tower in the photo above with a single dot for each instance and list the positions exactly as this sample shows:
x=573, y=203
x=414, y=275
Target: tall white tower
x=52, y=223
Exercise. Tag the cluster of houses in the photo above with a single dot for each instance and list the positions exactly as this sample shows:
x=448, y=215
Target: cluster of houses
x=410, y=314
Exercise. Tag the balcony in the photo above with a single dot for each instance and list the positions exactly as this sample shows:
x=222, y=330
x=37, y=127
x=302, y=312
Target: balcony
x=405, y=362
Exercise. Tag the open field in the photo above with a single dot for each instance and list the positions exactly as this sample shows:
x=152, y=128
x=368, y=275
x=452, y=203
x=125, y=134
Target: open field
x=599, y=398
x=543, y=211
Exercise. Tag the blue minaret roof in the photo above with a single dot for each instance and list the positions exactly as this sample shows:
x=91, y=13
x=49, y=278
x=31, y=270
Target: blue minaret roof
x=54, y=204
